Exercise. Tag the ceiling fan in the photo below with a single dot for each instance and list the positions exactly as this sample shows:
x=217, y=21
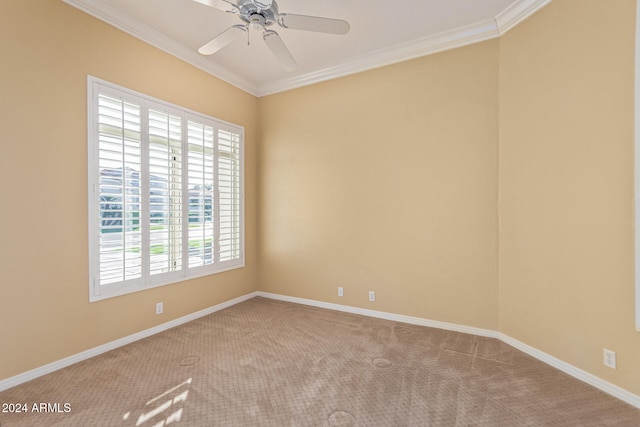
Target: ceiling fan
x=261, y=14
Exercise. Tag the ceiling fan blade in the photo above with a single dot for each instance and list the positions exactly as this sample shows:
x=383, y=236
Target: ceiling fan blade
x=222, y=39
x=262, y=4
x=313, y=23
x=280, y=50
x=223, y=5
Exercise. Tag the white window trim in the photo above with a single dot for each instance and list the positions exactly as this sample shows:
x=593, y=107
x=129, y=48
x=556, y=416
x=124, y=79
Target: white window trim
x=95, y=86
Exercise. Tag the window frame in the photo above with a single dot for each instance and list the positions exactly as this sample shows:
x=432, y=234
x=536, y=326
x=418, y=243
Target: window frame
x=97, y=291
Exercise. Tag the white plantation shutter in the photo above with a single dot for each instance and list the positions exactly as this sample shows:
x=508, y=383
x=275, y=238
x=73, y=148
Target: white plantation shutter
x=165, y=192
x=201, y=161
x=119, y=169
x=230, y=200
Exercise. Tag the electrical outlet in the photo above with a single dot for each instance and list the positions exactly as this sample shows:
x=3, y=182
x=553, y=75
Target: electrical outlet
x=159, y=308
x=372, y=296
x=340, y=291
x=610, y=358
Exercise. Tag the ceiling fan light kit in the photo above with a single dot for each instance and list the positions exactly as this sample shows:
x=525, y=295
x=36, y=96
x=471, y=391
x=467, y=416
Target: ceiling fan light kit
x=260, y=14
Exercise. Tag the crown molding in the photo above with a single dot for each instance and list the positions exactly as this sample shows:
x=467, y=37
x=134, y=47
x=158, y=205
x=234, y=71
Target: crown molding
x=398, y=53
x=517, y=12
x=156, y=39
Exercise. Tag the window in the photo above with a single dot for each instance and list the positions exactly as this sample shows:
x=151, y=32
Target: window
x=165, y=192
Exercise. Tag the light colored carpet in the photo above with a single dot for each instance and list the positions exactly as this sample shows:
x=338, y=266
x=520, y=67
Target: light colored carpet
x=273, y=363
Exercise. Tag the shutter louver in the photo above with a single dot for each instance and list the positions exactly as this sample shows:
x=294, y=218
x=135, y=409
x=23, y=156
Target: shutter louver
x=201, y=194
x=119, y=165
x=229, y=195
x=165, y=192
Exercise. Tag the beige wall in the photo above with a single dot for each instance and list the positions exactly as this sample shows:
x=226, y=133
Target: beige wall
x=393, y=180
x=47, y=49
x=566, y=185
x=386, y=181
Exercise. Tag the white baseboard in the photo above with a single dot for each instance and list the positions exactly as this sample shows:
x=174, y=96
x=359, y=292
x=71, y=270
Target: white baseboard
x=567, y=368
x=597, y=382
x=384, y=315
x=79, y=357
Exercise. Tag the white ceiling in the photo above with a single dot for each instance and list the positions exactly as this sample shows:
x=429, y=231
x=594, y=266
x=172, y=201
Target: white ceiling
x=382, y=32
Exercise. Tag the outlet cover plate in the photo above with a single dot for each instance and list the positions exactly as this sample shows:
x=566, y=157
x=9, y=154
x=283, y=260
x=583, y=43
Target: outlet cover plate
x=610, y=358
